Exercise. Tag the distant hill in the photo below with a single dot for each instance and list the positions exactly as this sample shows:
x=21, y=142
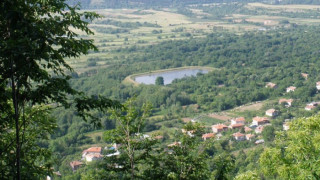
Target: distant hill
x=93, y=4
x=98, y=4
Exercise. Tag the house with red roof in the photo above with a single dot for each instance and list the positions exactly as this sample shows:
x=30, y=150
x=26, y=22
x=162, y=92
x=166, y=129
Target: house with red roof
x=271, y=85
x=259, y=129
x=93, y=157
x=291, y=89
x=271, y=112
x=75, y=165
x=92, y=150
x=260, y=120
x=318, y=85
x=239, y=120
x=247, y=129
x=309, y=107
x=236, y=126
x=219, y=128
x=239, y=136
x=249, y=137
x=305, y=75
x=288, y=102
x=208, y=136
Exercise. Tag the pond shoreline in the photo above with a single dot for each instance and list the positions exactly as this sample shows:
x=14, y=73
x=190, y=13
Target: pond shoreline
x=131, y=79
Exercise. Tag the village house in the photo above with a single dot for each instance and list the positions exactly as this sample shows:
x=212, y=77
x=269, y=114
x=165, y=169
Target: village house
x=92, y=150
x=93, y=157
x=91, y=154
x=288, y=102
x=318, y=85
x=239, y=120
x=285, y=126
x=291, y=89
x=208, y=136
x=75, y=165
x=305, y=75
x=260, y=120
x=311, y=106
x=236, y=126
x=247, y=129
x=249, y=137
x=271, y=112
x=271, y=85
x=219, y=128
x=239, y=136
x=259, y=129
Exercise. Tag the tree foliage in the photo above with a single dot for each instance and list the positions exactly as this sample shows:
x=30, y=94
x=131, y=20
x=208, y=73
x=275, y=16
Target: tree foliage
x=159, y=80
x=35, y=39
x=296, y=154
x=134, y=148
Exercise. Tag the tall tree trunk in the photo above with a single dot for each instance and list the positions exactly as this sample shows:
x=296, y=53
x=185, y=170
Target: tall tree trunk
x=16, y=119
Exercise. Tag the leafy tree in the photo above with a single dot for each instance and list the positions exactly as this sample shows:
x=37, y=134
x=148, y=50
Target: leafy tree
x=296, y=154
x=159, y=80
x=186, y=159
x=249, y=175
x=35, y=155
x=35, y=38
x=134, y=148
x=223, y=164
x=268, y=133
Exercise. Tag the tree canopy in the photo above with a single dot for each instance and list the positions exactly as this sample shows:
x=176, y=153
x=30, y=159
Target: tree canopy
x=35, y=39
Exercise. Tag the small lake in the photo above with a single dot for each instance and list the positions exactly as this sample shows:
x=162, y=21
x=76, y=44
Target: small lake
x=169, y=76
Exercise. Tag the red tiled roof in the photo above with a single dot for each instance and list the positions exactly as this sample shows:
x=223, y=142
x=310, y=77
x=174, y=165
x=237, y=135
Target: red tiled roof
x=247, y=129
x=240, y=119
x=75, y=163
x=93, y=150
x=305, y=75
x=270, y=111
x=208, y=135
x=310, y=107
x=271, y=85
x=259, y=128
x=237, y=125
x=292, y=88
x=260, y=119
x=285, y=100
x=248, y=136
x=238, y=134
x=219, y=126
